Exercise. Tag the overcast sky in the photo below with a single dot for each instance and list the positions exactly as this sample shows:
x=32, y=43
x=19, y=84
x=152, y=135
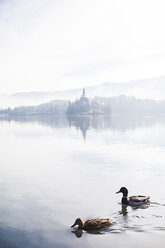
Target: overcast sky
x=48, y=45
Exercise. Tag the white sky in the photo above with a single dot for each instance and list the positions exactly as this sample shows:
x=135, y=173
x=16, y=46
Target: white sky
x=48, y=45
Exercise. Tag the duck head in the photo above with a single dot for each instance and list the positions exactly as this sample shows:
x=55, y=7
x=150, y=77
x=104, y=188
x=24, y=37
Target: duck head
x=78, y=222
x=124, y=191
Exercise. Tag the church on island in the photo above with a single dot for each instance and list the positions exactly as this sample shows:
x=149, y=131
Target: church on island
x=85, y=106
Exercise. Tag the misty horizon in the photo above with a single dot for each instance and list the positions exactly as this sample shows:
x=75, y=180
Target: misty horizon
x=84, y=86
x=49, y=45
x=150, y=88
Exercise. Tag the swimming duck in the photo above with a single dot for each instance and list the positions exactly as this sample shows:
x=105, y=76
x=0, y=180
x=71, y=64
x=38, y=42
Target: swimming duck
x=93, y=224
x=132, y=200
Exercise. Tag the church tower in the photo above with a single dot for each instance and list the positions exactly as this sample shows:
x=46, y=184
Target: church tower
x=83, y=93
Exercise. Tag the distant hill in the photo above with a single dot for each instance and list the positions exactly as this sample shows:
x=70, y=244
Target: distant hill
x=153, y=88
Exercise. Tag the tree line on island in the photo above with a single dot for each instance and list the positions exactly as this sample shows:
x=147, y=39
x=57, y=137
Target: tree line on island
x=95, y=106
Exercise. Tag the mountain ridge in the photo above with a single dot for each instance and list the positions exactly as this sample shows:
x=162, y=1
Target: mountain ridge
x=151, y=88
x=117, y=88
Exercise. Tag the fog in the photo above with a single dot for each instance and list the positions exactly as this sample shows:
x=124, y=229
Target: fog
x=59, y=45
x=153, y=88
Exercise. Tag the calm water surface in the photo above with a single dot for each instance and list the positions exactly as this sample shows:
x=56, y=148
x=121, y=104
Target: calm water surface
x=53, y=170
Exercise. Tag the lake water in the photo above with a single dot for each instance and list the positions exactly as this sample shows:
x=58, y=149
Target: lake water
x=53, y=170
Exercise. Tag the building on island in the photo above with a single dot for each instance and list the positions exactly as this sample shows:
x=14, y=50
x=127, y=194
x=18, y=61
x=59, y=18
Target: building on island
x=80, y=106
x=86, y=106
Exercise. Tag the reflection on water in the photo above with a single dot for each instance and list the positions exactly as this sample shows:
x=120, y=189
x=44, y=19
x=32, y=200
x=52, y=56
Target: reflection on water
x=80, y=122
x=45, y=120
x=85, y=122
x=128, y=219
x=143, y=206
x=79, y=232
x=49, y=176
x=124, y=210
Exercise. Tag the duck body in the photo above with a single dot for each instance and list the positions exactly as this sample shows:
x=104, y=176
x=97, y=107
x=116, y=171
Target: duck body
x=93, y=224
x=132, y=200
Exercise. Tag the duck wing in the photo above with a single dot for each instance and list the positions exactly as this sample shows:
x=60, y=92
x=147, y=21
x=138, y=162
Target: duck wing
x=137, y=200
x=96, y=224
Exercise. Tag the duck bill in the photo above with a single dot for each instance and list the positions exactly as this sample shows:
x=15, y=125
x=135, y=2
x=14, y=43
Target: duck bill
x=73, y=225
x=118, y=192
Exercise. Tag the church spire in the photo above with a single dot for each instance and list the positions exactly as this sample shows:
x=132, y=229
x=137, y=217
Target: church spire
x=83, y=93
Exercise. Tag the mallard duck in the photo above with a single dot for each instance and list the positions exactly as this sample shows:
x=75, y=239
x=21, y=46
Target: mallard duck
x=132, y=200
x=93, y=224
